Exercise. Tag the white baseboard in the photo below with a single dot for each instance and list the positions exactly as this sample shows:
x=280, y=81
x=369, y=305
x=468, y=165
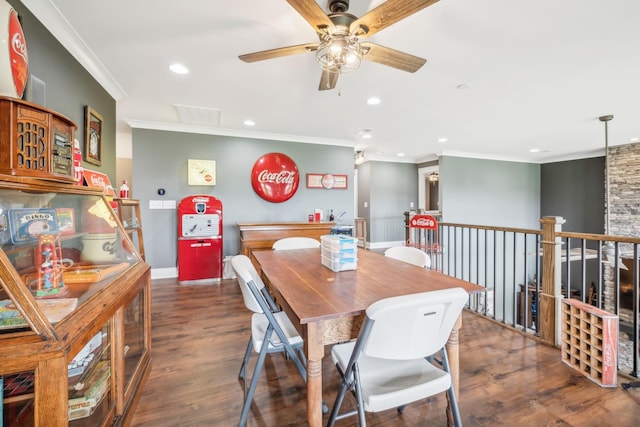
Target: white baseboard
x=164, y=273
x=382, y=245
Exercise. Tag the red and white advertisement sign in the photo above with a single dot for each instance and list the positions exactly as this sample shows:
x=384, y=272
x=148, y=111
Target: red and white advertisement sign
x=14, y=61
x=423, y=221
x=18, y=54
x=275, y=177
x=77, y=161
x=98, y=179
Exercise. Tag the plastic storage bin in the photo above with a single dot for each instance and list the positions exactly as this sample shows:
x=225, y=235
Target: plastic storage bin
x=336, y=242
x=339, y=253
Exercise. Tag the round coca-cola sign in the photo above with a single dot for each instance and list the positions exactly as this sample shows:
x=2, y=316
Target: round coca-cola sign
x=14, y=61
x=275, y=177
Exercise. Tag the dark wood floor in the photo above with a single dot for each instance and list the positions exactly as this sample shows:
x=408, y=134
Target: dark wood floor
x=199, y=334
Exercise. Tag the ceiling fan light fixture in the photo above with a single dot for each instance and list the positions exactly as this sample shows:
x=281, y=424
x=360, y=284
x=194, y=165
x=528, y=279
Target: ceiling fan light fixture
x=339, y=53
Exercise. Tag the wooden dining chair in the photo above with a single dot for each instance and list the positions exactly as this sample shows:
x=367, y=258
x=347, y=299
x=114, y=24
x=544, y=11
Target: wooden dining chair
x=387, y=366
x=271, y=329
x=295, y=243
x=410, y=255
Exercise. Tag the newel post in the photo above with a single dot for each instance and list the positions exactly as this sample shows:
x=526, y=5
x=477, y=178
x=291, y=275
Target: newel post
x=551, y=292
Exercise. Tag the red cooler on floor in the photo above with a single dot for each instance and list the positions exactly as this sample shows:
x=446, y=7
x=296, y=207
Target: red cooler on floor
x=199, y=239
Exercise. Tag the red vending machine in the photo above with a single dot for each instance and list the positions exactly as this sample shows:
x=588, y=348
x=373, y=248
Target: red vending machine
x=199, y=239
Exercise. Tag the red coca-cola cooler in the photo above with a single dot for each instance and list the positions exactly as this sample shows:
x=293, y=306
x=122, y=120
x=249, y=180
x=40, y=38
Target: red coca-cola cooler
x=199, y=239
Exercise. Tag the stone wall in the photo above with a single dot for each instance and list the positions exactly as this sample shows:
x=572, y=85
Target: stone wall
x=624, y=187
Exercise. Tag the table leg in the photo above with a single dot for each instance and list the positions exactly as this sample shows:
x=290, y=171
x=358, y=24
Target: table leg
x=315, y=351
x=453, y=351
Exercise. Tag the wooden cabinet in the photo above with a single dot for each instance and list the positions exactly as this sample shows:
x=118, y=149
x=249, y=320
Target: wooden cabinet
x=261, y=236
x=35, y=142
x=75, y=305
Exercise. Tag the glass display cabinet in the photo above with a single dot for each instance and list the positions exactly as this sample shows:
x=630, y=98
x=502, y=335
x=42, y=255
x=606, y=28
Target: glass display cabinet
x=74, y=307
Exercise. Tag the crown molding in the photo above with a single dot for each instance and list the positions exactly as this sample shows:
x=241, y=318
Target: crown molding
x=53, y=20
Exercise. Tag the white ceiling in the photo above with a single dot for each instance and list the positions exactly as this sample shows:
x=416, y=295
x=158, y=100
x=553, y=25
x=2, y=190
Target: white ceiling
x=540, y=73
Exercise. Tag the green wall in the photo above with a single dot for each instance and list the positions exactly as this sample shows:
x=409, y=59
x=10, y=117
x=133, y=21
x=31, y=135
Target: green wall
x=388, y=189
x=490, y=192
x=69, y=87
x=160, y=161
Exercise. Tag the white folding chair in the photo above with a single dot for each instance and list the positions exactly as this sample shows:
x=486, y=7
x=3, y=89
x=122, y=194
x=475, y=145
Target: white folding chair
x=387, y=366
x=295, y=243
x=271, y=329
x=409, y=255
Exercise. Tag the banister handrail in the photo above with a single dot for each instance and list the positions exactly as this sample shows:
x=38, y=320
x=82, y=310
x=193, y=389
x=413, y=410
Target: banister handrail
x=527, y=273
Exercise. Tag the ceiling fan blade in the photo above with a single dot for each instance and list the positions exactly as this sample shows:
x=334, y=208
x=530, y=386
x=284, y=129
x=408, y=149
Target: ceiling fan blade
x=313, y=14
x=386, y=14
x=392, y=58
x=328, y=80
x=281, y=51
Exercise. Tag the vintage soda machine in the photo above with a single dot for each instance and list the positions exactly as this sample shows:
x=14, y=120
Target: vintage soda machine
x=199, y=239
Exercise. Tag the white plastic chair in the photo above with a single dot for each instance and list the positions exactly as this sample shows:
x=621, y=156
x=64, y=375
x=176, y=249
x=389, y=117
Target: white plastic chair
x=295, y=243
x=271, y=329
x=410, y=255
x=387, y=366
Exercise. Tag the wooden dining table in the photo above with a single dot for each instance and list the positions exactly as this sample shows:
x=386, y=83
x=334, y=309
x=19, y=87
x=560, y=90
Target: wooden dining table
x=328, y=307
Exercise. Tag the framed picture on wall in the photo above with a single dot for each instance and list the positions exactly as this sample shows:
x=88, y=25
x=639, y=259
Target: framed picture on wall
x=201, y=172
x=326, y=180
x=93, y=136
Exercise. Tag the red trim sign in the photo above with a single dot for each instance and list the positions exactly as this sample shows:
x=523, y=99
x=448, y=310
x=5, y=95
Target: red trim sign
x=99, y=180
x=275, y=177
x=18, y=54
x=423, y=221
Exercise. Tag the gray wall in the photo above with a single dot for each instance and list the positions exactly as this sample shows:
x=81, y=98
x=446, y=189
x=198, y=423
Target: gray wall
x=490, y=192
x=69, y=87
x=574, y=190
x=160, y=161
x=389, y=189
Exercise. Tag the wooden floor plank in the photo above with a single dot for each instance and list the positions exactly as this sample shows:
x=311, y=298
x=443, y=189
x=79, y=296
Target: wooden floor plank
x=200, y=332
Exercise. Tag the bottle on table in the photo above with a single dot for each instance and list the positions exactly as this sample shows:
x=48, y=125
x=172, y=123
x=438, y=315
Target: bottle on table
x=124, y=190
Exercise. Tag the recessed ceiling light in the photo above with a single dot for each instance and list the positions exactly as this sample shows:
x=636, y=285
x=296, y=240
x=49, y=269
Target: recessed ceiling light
x=634, y=139
x=400, y=154
x=179, y=68
x=365, y=134
x=534, y=150
x=249, y=123
x=374, y=100
x=442, y=139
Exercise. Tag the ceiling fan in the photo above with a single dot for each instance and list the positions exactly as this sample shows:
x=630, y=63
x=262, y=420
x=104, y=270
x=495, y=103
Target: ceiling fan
x=339, y=49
